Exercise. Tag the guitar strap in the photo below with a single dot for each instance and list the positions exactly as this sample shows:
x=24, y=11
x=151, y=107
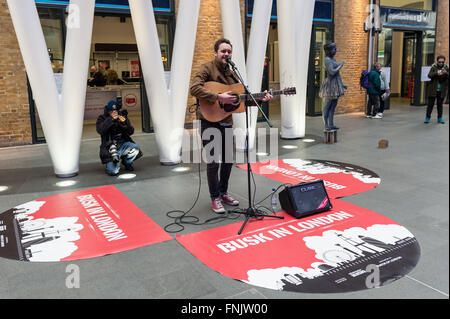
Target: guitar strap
x=195, y=108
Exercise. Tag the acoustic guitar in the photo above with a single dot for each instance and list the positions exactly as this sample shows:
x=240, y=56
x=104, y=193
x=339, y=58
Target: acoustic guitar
x=218, y=111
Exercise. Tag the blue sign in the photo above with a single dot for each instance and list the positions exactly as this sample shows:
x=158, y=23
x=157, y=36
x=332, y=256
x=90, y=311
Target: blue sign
x=323, y=10
x=158, y=5
x=400, y=18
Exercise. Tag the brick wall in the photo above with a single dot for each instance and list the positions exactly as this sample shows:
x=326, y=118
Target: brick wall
x=209, y=29
x=352, y=47
x=15, y=128
x=351, y=40
x=442, y=29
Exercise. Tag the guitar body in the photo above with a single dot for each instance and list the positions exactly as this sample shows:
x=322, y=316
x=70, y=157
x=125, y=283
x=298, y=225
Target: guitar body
x=217, y=112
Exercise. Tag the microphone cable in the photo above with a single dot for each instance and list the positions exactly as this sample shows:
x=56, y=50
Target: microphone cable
x=180, y=217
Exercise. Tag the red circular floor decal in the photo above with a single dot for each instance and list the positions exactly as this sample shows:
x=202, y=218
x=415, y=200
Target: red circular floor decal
x=340, y=179
x=345, y=249
x=76, y=225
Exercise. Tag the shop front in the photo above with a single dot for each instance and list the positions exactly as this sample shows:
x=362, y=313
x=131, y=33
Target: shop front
x=114, y=52
x=406, y=46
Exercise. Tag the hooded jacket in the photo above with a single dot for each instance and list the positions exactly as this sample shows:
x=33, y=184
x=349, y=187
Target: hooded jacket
x=108, y=128
x=375, y=81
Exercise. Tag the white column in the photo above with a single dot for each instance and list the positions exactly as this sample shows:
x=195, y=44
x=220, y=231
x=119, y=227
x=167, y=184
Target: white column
x=287, y=56
x=304, y=11
x=62, y=140
x=76, y=66
x=257, y=46
x=232, y=30
x=168, y=110
x=182, y=57
x=166, y=116
x=257, y=43
x=153, y=71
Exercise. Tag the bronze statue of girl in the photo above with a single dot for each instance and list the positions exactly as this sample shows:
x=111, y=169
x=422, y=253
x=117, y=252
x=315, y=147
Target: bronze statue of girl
x=332, y=87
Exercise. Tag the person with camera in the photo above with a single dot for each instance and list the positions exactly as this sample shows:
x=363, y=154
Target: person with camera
x=115, y=130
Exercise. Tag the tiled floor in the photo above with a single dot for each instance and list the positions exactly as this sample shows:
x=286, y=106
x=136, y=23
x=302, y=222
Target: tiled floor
x=414, y=191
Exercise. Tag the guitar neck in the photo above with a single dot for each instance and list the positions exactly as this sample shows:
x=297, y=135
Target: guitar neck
x=246, y=97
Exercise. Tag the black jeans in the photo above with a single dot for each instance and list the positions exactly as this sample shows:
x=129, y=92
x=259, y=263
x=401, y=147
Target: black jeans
x=440, y=101
x=223, y=161
x=374, y=100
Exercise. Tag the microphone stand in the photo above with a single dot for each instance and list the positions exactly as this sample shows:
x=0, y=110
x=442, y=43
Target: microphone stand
x=250, y=212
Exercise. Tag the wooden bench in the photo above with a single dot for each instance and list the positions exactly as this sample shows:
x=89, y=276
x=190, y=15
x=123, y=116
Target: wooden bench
x=330, y=137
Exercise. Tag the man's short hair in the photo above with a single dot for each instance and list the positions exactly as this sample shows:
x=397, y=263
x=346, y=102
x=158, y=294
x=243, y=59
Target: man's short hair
x=377, y=64
x=440, y=57
x=219, y=42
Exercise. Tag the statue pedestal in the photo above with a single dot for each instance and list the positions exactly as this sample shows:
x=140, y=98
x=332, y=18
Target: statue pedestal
x=330, y=137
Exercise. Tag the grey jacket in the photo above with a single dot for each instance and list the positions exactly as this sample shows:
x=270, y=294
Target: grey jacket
x=384, y=81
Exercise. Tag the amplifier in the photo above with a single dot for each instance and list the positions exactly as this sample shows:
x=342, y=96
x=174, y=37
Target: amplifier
x=305, y=199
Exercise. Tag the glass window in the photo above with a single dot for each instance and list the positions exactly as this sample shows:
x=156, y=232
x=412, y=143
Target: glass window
x=429, y=38
x=52, y=27
x=409, y=4
x=385, y=47
x=322, y=36
x=53, y=34
x=164, y=28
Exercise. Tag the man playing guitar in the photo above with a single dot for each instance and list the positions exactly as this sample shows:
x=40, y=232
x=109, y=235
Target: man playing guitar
x=218, y=70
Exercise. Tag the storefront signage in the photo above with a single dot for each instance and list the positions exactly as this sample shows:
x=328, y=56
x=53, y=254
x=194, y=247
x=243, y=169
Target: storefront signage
x=391, y=17
x=134, y=66
x=323, y=10
x=158, y=5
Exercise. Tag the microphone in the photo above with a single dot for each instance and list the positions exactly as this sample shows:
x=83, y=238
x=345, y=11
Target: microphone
x=230, y=62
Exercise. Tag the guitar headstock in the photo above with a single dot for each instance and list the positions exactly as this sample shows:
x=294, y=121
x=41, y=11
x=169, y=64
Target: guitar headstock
x=290, y=91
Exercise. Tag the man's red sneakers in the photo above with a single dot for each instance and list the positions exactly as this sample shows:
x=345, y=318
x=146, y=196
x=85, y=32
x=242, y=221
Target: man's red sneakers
x=217, y=206
x=227, y=199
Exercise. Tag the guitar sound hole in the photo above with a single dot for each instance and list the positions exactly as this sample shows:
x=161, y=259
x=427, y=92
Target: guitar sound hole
x=232, y=107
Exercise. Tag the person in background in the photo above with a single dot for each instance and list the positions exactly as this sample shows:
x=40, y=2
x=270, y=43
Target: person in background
x=97, y=78
x=385, y=89
x=374, y=91
x=112, y=77
x=115, y=130
x=437, y=88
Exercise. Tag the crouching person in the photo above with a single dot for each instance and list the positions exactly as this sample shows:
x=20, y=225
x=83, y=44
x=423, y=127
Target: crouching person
x=117, y=146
